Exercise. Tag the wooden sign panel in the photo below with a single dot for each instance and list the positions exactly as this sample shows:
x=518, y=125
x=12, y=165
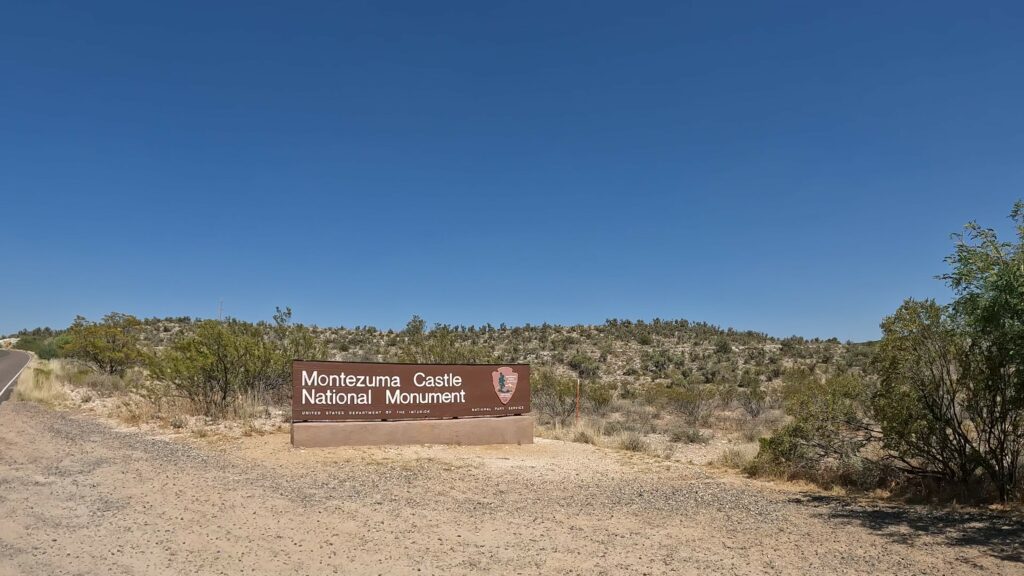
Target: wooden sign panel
x=346, y=391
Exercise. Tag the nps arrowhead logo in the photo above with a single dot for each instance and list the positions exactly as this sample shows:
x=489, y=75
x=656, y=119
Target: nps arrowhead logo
x=504, y=380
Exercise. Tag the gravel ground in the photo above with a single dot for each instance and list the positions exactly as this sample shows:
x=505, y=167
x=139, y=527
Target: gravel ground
x=78, y=496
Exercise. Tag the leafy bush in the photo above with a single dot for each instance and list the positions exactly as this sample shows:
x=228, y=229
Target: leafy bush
x=830, y=426
x=585, y=367
x=751, y=396
x=553, y=395
x=216, y=364
x=948, y=406
x=723, y=347
x=111, y=345
x=659, y=361
x=695, y=402
x=598, y=396
x=46, y=347
x=791, y=454
x=951, y=394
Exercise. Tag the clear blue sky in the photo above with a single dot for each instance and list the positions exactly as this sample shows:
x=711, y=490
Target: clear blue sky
x=794, y=168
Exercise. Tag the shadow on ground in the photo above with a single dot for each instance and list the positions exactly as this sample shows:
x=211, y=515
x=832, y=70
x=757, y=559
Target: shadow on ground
x=1001, y=535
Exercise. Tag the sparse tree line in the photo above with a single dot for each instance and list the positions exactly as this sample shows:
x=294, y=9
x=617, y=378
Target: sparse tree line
x=936, y=406
x=213, y=364
x=607, y=357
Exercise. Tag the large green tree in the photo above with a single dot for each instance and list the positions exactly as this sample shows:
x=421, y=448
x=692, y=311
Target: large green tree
x=950, y=400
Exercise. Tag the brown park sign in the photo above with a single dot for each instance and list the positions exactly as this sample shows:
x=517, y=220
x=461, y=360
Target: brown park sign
x=346, y=391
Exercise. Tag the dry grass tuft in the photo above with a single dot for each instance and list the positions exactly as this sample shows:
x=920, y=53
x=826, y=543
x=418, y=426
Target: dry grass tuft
x=751, y=430
x=40, y=384
x=736, y=458
x=678, y=431
x=584, y=437
x=133, y=411
x=632, y=418
x=633, y=442
x=666, y=451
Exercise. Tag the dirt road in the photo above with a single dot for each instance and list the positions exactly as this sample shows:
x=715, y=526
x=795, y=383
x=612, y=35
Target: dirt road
x=80, y=497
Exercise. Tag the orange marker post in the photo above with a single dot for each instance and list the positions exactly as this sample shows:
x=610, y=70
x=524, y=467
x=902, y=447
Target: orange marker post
x=577, y=402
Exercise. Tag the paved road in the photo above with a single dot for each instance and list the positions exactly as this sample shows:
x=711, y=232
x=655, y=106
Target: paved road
x=11, y=362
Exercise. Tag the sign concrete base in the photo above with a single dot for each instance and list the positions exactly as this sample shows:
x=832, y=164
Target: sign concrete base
x=458, y=431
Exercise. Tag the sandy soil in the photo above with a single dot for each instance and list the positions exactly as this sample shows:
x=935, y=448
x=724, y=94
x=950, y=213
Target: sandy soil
x=78, y=496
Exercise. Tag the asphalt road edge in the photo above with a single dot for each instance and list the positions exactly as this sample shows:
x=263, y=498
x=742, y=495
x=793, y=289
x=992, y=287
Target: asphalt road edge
x=15, y=379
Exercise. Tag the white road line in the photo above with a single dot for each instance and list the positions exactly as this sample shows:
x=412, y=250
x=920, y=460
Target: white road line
x=14, y=379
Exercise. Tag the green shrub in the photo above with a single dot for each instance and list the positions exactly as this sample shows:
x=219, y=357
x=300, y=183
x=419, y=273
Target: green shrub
x=753, y=401
x=830, y=427
x=46, y=347
x=112, y=345
x=659, y=361
x=695, y=402
x=553, y=395
x=216, y=364
x=723, y=347
x=789, y=454
x=598, y=396
x=585, y=367
x=950, y=401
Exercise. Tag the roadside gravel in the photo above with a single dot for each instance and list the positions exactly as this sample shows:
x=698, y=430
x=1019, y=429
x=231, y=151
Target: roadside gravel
x=78, y=496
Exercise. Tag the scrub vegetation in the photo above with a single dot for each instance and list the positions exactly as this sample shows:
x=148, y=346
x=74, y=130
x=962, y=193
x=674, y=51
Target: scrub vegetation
x=935, y=409
x=38, y=384
x=943, y=410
